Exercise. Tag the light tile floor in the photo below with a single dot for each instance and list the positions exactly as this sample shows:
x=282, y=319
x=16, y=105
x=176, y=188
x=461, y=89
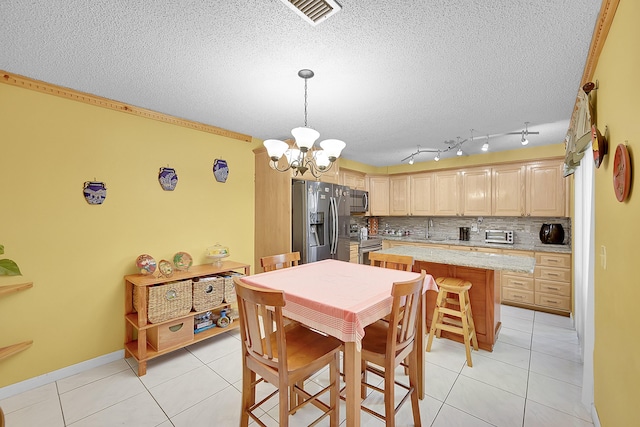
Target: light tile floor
x=532, y=378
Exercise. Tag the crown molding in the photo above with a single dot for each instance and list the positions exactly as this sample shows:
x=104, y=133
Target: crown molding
x=51, y=89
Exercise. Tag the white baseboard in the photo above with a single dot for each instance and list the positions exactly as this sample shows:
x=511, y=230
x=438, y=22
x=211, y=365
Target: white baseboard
x=35, y=382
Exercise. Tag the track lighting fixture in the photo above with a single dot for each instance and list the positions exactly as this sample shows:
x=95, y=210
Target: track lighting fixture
x=456, y=146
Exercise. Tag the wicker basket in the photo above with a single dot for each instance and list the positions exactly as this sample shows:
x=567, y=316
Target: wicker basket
x=208, y=293
x=229, y=288
x=167, y=301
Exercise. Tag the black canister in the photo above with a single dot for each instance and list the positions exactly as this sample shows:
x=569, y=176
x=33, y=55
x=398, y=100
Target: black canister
x=552, y=234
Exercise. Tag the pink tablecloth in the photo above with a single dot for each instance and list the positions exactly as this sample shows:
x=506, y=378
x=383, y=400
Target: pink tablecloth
x=336, y=297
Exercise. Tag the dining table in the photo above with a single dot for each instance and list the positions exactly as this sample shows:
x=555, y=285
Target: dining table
x=340, y=299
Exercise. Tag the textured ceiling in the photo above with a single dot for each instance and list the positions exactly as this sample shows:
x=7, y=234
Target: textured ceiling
x=389, y=75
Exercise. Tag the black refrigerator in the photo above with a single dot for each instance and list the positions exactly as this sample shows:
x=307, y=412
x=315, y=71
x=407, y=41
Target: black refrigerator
x=320, y=220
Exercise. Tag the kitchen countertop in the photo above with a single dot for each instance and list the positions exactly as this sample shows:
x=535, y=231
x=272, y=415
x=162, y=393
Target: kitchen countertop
x=520, y=264
x=539, y=247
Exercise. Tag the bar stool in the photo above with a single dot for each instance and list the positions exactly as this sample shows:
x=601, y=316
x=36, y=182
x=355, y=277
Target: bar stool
x=460, y=307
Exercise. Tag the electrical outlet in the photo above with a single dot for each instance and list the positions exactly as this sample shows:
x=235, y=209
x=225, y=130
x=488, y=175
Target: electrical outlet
x=474, y=227
x=603, y=257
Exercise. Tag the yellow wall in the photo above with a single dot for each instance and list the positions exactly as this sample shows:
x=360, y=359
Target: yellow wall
x=77, y=254
x=617, y=288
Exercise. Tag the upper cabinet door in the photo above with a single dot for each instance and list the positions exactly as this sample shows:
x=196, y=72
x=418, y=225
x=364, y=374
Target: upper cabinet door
x=378, y=195
x=546, y=189
x=399, y=195
x=476, y=191
x=353, y=180
x=446, y=191
x=508, y=184
x=421, y=194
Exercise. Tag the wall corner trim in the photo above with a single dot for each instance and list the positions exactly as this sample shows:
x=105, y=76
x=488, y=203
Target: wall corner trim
x=51, y=89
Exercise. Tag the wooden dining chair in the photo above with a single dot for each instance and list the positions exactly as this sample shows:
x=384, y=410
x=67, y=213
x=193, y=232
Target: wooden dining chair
x=276, y=262
x=394, y=262
x=388, y=344
x=282, y=355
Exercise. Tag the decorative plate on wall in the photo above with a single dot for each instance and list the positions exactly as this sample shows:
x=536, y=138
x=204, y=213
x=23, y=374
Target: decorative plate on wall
x=599, y=145
x=95, y=192
x=220, y=170
x=621, y=172
x=168, y=178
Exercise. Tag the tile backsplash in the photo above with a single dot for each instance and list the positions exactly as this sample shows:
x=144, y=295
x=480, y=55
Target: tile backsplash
x=525, y=229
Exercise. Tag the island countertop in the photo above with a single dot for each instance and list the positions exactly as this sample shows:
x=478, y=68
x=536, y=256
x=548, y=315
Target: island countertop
x=488, y=261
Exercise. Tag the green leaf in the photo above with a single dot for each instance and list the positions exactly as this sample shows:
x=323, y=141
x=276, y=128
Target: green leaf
x=1, y=249
x=9, y=268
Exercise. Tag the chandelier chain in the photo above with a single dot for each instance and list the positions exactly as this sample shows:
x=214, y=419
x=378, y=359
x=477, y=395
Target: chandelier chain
x=305, y=102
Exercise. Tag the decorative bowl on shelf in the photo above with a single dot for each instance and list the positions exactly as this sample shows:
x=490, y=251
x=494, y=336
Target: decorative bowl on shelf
x=217, y=253
x=182, y=261
x=146, y=264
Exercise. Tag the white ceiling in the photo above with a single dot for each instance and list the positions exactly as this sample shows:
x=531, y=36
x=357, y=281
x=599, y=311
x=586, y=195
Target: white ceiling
x=389, y=75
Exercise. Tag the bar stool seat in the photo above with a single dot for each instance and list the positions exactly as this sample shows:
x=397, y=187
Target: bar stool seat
x=453, y=313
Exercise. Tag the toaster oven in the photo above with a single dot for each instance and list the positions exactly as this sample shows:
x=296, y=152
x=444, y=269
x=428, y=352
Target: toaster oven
x=499, y=236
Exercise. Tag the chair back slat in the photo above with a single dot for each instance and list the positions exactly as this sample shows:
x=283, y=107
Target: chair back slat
x=276, y=262
x=391, y=261
x=261, y=322
x=403, y=319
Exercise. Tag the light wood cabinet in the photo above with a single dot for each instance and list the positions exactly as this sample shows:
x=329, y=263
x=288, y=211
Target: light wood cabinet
x=144, y=340
x=421, y=194
x=352, y=179
x=548, y=288
x=353, y=253
x=546, y=189
x=331, y=177
x=476, y=191
x=378, y=195
x=399, y=195
x=446, y=193
x=508, y=190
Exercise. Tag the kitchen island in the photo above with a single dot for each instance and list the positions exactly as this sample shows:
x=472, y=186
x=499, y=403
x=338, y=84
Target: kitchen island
x=478, y=268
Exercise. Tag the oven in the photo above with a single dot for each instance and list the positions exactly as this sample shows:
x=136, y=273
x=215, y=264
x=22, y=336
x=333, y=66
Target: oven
x=371, y=244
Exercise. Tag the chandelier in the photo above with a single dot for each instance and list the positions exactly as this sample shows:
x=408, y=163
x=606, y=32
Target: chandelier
x=303, y=156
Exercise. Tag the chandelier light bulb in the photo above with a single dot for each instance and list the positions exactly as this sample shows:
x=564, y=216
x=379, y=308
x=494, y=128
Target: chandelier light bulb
x=437, y=157
x=459, y=152
x=485, y=146
x=411, y=160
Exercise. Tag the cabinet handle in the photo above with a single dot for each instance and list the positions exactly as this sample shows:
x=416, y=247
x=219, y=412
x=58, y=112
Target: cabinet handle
x=550, y=301
x=552, y=288
x=518, y=283
x=518, y=296
x=553, y=260
x=553, y=274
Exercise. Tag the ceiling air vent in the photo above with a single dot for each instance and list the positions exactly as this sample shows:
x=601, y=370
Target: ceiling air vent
x=313, y=11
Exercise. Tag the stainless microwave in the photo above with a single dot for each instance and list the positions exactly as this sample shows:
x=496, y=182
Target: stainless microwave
x=359, y=201
x=499, y=236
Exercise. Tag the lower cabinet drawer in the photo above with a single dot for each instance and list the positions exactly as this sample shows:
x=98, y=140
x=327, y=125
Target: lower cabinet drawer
x=516, y=295
x=170, y=334
x=553, y=301
x=551, y=273
x=554, y=288
x=517, y=282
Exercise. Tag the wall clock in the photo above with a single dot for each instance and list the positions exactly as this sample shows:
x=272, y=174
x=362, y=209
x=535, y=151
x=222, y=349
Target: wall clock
x=621, y=172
